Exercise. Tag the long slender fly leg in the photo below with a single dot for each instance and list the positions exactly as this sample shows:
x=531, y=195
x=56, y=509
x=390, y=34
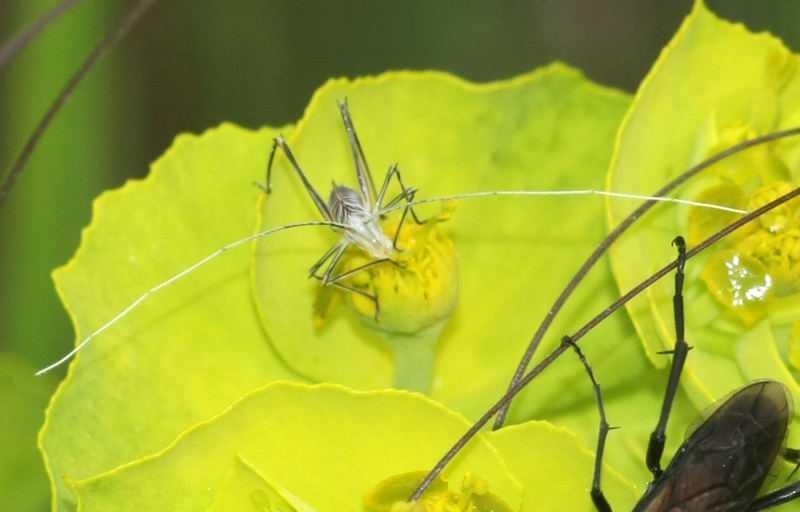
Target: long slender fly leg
x=598, y=498
x=658, y=438
x=723, y=464
x=777, y=497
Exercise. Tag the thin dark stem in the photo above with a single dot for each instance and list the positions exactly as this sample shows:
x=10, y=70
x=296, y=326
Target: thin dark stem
x=611, y=238
x=13, y=47
x=119, y=30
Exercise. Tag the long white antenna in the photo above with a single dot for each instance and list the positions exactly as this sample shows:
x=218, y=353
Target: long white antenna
x=621, y=195
x=181, y=274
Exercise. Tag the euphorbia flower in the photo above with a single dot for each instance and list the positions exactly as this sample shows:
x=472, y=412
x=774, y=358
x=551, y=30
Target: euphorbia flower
x=742, y=292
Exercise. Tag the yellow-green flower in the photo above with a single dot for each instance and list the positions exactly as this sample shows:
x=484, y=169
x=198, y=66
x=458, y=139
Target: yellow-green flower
x=742, y=293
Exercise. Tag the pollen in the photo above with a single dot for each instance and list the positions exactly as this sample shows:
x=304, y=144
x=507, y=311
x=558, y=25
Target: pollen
x=757, y=268
x=761, y=263
x=391, y=494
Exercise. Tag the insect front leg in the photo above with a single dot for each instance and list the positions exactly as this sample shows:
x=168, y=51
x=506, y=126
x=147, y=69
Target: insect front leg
x=407, y=195
x=280, y=142
x=598, y=498
x=655, y=448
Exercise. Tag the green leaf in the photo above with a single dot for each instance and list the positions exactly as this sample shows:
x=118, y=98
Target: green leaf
x=325, y=445
x=714, y=80
x=555, y=469
x=190, y=350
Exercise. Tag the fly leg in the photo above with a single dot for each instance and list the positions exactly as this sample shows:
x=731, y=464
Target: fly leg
x=655, y=448
x=784, y=494
x=599, y=499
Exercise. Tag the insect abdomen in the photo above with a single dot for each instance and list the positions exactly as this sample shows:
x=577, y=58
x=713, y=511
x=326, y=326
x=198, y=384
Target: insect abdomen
x=345, y=203
x=723, y=464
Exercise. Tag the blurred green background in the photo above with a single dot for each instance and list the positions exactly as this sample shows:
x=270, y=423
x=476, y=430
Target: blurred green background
x=190, y=65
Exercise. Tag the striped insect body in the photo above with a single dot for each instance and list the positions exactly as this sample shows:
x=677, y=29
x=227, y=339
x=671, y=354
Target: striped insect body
x=348, y=208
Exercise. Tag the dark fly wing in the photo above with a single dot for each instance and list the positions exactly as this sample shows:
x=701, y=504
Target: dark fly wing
x=723, y=464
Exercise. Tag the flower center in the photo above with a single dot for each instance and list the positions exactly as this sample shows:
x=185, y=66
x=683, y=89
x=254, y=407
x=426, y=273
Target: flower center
x=390, y=495
x=759, y=265
x=417, y=289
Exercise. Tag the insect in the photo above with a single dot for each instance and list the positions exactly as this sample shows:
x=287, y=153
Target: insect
x=358, y=212
x=723, y=464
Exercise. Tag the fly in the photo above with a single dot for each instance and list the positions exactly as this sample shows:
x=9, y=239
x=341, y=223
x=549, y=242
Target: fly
x=723, y=464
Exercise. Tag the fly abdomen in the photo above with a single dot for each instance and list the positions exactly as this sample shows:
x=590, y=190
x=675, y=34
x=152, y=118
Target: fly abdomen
x=724, y=462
